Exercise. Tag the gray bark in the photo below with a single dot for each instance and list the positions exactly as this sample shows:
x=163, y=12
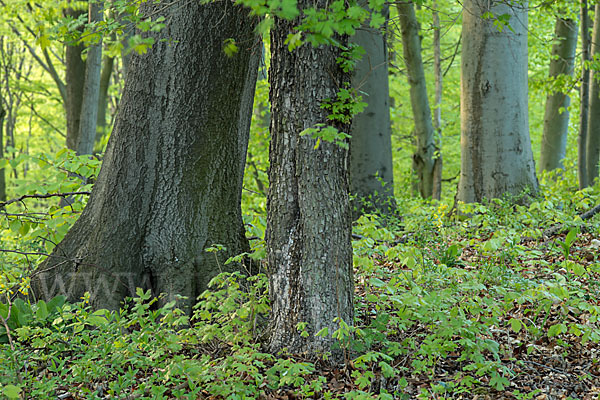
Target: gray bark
x=496, y=157
x=107, y=68
x=170, y=183
x=437, y=105
x=2, y=172
x=308, y=235
x=584, y=98
x=556, y=122
x=75, y=79
x=593, y=127
x=424, y=158
x=91, y=89
x=371, y=166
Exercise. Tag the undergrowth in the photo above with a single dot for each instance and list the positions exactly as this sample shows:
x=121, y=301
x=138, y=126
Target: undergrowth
x=445, y=307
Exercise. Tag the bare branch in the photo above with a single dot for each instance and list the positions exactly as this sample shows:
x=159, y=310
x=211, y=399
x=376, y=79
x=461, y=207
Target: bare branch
x=41, y=196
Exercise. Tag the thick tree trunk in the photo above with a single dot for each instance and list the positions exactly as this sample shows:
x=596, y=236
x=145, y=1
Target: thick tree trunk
x=75, y=79
x=371, y=166
x=584, y=97
x=91, y=89
x=593, y=127
x=170, y=184
x=308, y=236
x=556, y=122
x=424, y=157
x=107, y=68
x=496, y=157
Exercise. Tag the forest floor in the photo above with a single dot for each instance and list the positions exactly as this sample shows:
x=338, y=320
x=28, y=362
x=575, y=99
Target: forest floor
x=445, y=308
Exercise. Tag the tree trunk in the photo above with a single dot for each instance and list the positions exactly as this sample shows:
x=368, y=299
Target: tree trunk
x=424, y=157
x=496, y=157
x=593, y=127
x=308, y=236
x=371, y=166
x=584, y=96
x=107, y=68
x=556, y=118
x=2, y=173
x=75, y=79
x=91, y=89
x=170, y=183
x=437, y=105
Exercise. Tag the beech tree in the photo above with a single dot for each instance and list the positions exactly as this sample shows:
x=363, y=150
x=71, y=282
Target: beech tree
x=592, y=146
x=88, y=120
x=2, y=173
x=424, y=159
x=496, y=157
x=584, y=96
x=308, y=235
x=556, y=117
x=371, y=166
x=170, y=183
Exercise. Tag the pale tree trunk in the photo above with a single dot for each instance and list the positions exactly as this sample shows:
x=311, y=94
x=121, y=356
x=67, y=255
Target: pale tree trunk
x=556, y=118
x=91, y=88
x=170, y=183
x=496, y=157
x=437, y=106
x=308, y=235
x=74, y=79
x=592, y=144
x=424, y=157
x=2, y=173
x=107, y=68
x=584, y=96
x=371, y=166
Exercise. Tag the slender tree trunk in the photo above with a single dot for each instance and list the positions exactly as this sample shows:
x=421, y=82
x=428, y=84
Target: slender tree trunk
x=309, y=250
x=107, y=68
x=556, y=118
x=2, y=173
x=584, y=98
x=170, y=183
x=496, y=157
x=75, y=79
x=424, y=157
x=91, y=88
x=371, y=166
x=437, y=106
x=593, y=127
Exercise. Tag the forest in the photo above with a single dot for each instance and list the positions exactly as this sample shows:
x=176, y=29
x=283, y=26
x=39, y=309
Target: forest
x=294, y=199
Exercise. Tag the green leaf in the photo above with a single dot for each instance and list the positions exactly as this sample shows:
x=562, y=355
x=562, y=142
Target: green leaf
x=42, y=311
x=230, y=47
x=323, y=332
x=11, y=391
x=515, y=325
x=557, y=329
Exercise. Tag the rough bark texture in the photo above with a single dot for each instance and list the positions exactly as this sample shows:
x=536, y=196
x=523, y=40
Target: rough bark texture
x=556, y=122
x=424, y=157
x=584, y=98
x=74, y=78
x=496, y=157
x=91, y=89
x=593, y=127
x=371, y=143
x=308, y=234
x=170, y=184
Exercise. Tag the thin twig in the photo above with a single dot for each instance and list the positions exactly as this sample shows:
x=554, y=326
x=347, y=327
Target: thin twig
x=41, y=196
